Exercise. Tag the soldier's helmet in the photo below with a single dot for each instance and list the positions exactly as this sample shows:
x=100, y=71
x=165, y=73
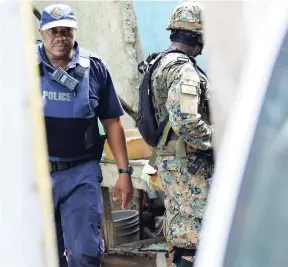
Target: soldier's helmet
x=186, y=16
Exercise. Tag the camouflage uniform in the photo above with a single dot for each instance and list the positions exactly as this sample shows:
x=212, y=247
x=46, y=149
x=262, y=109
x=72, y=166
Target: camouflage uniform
x=176, y=91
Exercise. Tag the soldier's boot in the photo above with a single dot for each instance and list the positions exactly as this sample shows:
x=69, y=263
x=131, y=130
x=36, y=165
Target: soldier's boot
x=183, y=257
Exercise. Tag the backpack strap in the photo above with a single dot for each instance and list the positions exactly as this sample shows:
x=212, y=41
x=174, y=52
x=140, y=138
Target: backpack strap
x=163, y=140
x=180, y=148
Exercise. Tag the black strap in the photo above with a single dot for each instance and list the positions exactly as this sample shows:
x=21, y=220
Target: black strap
x=191, y=40
x=202, y=71
x=162, y=125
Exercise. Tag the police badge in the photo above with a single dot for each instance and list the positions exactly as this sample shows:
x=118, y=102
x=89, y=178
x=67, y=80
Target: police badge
x=56, y=13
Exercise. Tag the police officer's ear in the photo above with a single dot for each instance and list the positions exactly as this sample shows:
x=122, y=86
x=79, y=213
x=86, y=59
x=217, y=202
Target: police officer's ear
x=41, y=32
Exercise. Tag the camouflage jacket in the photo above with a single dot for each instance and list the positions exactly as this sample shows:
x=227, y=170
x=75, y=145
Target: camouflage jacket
x=176, y=91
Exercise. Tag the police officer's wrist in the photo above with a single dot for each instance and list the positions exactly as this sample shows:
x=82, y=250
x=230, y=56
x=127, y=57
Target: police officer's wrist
x=128, y=170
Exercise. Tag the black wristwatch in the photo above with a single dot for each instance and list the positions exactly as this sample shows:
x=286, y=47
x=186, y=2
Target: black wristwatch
x=128, y=170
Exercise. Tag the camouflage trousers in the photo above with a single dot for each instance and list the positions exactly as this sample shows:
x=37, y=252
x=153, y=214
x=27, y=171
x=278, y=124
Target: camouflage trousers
x=185, y=199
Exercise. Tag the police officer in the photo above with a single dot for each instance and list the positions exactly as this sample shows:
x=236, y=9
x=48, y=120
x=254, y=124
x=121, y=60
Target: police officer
x=184, y=164
x=78, y=90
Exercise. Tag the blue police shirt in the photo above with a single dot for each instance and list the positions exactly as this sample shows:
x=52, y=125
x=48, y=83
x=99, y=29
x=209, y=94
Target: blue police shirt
x=103, y=99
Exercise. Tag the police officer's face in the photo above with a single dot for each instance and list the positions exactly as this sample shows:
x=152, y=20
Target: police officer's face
x=59, y=41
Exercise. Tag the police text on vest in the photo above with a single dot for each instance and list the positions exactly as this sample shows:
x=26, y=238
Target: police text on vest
x=57, y=96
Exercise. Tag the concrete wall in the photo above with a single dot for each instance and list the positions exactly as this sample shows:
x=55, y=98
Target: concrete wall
x=109, y=29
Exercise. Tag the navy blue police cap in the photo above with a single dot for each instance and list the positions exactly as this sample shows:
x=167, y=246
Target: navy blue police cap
x=57, y=15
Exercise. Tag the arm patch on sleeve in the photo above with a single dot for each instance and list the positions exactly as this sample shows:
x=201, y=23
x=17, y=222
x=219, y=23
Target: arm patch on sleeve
x=189, y=97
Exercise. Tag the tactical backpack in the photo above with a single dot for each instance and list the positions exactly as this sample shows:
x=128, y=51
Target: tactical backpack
x=146, y=121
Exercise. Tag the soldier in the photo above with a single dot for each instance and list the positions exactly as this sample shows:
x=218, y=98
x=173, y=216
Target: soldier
x=184, y=163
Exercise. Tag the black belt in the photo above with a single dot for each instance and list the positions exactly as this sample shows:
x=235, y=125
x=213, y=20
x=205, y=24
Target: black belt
x=56, y=166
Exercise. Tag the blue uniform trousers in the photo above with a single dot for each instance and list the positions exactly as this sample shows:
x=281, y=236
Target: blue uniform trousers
x=78, y=213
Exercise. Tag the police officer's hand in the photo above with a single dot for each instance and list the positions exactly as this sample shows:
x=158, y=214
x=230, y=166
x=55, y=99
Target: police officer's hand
x=123, y=189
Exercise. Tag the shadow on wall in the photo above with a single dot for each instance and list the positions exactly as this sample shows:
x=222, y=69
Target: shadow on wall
x=152, y=18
